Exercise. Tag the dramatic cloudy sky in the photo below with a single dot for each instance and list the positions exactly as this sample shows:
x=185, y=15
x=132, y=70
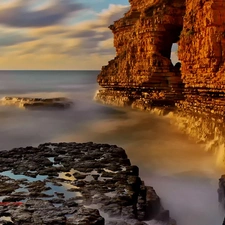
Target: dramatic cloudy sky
x=57, y=34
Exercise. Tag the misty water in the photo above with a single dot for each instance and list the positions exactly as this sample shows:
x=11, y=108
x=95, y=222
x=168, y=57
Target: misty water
x=183, y=174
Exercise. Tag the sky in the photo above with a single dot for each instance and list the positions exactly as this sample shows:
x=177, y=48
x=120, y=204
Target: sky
x=57, y=34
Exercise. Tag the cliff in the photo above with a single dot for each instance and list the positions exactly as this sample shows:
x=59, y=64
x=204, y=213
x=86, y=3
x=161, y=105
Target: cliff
x=202, y=52
x=142, y=75
x=142, y=67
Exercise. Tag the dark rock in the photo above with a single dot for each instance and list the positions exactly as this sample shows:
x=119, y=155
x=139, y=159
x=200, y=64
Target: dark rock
x=97, y=176
x=86, y=216
x=153, y=206
x=79, y=175
x=163, y=216
x=13, y=198
x=57, y=201
x=221, y=191
x=60, y=195
x=71, y=203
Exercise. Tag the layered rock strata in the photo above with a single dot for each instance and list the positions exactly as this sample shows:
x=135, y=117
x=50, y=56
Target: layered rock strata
x=34, y=103
x=142, y=72
x=143, y=77
x=74, y=183
x=202, y=52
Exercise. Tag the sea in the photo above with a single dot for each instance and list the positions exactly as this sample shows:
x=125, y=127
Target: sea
x=184, y=175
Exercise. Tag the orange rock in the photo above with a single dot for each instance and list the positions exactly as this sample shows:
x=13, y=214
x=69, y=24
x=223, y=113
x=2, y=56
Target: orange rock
x=202, y=52
x=143, y=39
x=142, y=75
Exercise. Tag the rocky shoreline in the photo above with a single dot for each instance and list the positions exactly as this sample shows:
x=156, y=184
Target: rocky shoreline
x=142, y=75
x=36, y=103
x=200, y=127
x=75, y=183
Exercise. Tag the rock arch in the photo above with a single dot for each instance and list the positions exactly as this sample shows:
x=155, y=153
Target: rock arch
x=142, y=75
x=143, y=39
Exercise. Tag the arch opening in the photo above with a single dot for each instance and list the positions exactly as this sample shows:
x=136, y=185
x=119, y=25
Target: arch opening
x=174, y=54
x=169, y=46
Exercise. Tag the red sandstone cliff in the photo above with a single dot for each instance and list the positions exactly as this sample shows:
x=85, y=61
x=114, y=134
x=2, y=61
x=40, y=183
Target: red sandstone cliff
x=202, y=53
x=142, y=75
x=143, y=39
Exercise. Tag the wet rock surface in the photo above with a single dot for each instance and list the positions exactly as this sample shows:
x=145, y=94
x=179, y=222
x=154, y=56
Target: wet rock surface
x=74, y=183
x=34, y=103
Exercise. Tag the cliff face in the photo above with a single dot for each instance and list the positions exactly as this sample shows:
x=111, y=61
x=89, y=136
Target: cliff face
x=202, y=53
x=142, y=75
x=143, y=39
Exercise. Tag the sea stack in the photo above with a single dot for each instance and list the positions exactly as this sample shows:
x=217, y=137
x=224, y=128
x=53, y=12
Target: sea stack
x=142, y=75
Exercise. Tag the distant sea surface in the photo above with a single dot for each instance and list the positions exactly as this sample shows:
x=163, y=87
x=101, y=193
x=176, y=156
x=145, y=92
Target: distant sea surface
x=183, y=174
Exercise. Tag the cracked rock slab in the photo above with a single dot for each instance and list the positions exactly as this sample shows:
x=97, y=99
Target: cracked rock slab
x=74, y=183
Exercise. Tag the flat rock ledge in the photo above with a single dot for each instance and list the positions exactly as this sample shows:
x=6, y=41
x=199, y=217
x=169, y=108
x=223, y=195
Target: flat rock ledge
x=136, y=99
x=33, y=103
x=75, y=183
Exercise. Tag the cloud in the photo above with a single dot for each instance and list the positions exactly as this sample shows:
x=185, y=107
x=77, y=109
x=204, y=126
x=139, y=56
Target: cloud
x=20, y=15
x=95, y=33
x=105, y=18
x=87, y=37
x=114, y=12
x=84, y=45
x=13, y=38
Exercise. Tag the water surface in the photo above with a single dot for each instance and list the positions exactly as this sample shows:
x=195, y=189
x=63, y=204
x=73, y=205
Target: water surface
x=184, y=175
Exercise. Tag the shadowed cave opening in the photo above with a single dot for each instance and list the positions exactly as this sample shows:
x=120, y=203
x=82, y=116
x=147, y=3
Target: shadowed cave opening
x=169, y=47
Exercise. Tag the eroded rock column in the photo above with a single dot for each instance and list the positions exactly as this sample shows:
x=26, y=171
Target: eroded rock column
x=142, y=75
